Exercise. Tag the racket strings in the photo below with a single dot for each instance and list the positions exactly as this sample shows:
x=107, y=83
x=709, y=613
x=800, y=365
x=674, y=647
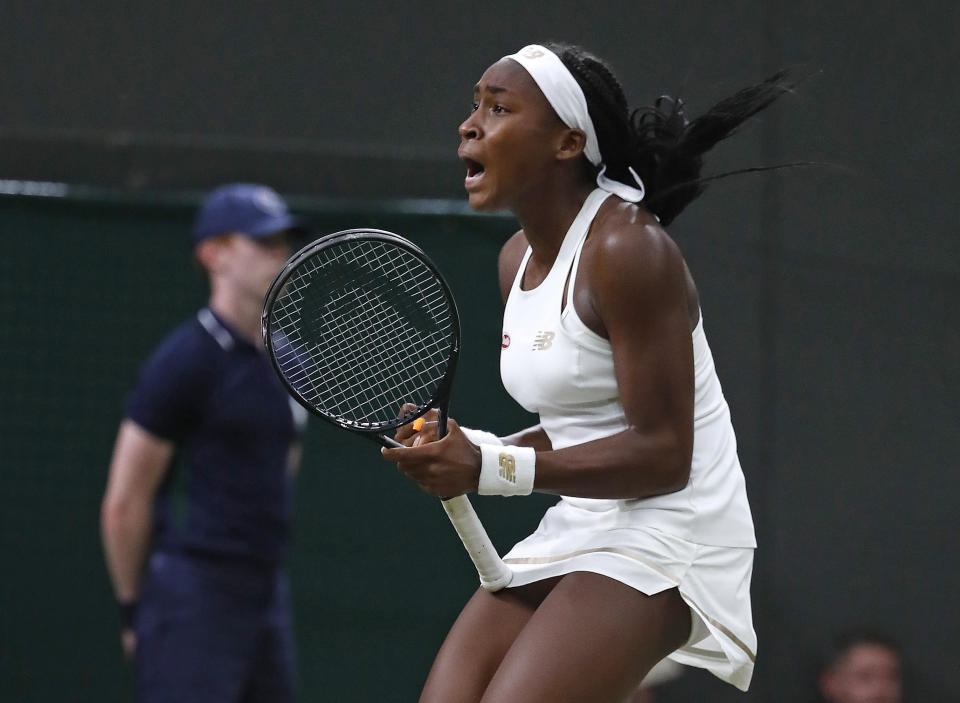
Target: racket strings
x=384, y=320
x=350, y=365
x=359, y=326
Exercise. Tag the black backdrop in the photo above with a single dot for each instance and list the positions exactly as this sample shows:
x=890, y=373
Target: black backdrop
x=825, y=290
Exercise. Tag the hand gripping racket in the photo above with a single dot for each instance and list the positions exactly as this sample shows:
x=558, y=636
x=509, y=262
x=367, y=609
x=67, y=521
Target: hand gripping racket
x=360, y=322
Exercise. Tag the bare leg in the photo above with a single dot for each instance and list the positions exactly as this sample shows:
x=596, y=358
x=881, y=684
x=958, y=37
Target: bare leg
x=478, y=640
x=592, y=639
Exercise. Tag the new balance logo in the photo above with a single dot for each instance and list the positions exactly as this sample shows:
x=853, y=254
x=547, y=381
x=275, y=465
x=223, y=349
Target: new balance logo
x=543, y=340
x=508, y=467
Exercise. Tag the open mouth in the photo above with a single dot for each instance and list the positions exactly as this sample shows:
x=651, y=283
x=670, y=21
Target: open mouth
x=474, y=171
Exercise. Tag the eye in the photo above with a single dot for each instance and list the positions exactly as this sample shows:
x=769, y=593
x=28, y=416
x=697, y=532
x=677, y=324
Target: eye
x=499, y=109
x=474, y=105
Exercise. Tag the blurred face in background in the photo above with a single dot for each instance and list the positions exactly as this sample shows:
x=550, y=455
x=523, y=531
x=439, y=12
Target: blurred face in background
x=244, y=265
x=866, y=673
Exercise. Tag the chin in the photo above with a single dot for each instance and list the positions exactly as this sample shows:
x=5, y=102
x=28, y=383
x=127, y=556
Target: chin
x=482, y=202
x=476, y=201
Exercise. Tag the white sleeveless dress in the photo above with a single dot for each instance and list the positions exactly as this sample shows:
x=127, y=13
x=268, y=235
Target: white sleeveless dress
x=699, y=540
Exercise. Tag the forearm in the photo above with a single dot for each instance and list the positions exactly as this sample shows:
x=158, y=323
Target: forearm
x=534, y=437
x=139, y=463
x=126, y=533
x=625, y=465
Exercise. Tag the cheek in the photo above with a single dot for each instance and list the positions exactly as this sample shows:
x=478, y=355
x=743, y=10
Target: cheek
x=276, y=260
x=527, y=152
x=271, y=266
x=255, y=266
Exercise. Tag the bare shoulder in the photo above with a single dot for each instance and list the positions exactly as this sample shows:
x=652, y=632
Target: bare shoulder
x=630, y=263
x=509, y=261
x=628, y=246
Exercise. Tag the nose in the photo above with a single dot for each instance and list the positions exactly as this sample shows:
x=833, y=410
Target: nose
x=468, y=128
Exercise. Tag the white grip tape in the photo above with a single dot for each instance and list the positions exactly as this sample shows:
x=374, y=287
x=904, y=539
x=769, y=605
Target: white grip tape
x=494, y=574
x=479, y=437
x=506, y=470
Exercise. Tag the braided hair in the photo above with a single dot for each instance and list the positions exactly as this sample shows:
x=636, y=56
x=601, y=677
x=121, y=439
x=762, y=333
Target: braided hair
x=660, y=143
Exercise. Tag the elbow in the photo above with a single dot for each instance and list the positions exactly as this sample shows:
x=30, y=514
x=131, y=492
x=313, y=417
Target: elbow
x=118, y=515
x=673, y=468
x=112, y=514
x=676, y=476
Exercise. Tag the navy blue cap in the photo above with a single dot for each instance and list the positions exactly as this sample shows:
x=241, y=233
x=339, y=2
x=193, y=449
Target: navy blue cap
x=248, y=208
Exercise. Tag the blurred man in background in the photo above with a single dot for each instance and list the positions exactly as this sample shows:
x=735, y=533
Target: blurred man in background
x=196, y=553
x=863, y=667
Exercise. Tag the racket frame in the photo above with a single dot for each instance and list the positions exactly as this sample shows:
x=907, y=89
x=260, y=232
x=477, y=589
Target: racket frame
x=494, y=574
x=441, y=397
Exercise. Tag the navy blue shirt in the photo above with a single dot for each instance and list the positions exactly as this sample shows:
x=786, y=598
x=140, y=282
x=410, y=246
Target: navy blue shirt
x=215, y=395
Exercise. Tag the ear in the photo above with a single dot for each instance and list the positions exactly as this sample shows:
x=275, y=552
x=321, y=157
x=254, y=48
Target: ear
x=828, y=685
x=571, y=145
x=210, y=251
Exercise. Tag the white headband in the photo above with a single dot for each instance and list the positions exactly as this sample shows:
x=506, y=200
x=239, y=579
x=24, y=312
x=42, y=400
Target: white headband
x=566, y=98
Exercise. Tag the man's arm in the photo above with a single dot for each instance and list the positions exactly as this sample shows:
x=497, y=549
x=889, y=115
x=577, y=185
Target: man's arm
x=140, y=461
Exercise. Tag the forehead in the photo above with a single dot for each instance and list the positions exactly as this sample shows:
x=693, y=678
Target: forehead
x=867, y=655
x=506, y=79
x=508, y=76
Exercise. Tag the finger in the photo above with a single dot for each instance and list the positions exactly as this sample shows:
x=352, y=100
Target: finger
x=406, y=434
x=402, y=453
x=391, y=453
x=427, y=432
x=403, y=432
x=408, y=431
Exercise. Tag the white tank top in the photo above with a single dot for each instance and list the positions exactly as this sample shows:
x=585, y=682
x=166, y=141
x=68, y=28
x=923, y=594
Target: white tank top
x=554, y=365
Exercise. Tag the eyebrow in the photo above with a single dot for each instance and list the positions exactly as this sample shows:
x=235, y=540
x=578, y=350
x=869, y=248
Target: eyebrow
x=490, y=89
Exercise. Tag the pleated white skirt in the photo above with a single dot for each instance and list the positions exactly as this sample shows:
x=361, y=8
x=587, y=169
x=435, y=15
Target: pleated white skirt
x=714, y=581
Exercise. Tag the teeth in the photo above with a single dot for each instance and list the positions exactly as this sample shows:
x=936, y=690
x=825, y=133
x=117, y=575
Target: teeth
x=473, y=168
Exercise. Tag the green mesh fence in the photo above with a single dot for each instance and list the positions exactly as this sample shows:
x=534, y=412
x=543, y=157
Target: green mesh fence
x=88, y=287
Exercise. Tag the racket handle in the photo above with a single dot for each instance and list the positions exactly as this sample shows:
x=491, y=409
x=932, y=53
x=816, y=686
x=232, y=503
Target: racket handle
x=494, y=574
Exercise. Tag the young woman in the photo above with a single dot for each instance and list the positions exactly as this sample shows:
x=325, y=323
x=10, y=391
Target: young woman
x=649, y=551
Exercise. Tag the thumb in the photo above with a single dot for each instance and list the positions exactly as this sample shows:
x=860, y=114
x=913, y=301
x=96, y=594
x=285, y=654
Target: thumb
x=392, y=453
x=453, y=427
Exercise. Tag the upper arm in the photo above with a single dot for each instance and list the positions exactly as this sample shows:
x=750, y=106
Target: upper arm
x=637, y=284
x=140, y=461
x=173, y=386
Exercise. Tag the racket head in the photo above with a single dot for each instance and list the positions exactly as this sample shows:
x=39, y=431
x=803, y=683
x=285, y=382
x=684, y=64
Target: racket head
x=359, y=322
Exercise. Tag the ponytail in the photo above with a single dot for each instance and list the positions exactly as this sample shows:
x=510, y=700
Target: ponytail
x=660, y=143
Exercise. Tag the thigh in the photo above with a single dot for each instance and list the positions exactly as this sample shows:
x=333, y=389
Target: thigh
x=190, y=645
x=271, y=679
x=479, y=638
x=592, y=639
x=184, y=662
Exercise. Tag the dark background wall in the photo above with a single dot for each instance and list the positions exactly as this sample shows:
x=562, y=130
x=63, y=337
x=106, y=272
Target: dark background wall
x=826, y=293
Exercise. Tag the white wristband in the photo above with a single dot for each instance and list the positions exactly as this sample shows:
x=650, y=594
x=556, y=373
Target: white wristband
x=479, y=437
x=506, y=470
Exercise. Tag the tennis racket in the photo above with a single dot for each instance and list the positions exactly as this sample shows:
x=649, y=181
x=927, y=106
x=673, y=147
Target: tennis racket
x=360, y=322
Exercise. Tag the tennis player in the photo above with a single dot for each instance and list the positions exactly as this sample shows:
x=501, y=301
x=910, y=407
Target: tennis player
x=200, y=577
x=649, y=551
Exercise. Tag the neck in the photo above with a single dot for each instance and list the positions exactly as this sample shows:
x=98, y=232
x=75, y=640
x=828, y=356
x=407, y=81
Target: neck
x=242, y=312
x=546, y=219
